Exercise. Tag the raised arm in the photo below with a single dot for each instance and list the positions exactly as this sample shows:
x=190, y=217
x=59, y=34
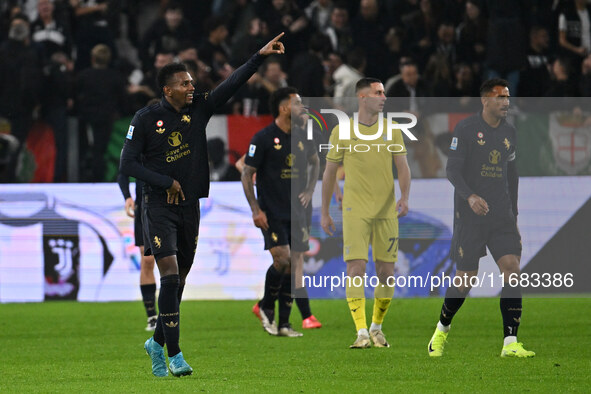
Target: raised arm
x=220, y=95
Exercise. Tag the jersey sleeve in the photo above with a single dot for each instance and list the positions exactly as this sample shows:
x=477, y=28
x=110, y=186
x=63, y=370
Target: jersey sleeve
x=222, y=93
x=334, y=154
x=256, y=152
x=513, y=176
x=458, y=151
x=123, y=182
x=131, y=164
x=459, y=144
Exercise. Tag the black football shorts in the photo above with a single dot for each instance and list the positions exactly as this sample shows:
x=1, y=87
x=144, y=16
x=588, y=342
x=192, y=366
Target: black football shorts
x=287, y=232
x=470, y=240
x=171, y=230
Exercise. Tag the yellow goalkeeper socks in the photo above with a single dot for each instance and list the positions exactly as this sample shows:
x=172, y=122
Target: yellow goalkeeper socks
x=382, y=299
x=356, y=301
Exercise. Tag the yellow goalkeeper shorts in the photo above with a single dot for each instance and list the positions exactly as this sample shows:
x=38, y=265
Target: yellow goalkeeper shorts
x=359, y=233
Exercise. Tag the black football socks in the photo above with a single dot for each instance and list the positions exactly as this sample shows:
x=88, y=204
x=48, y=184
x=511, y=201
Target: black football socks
x=303, y=302
x=272, y=285
x=452, y=303
x=511, y=305
x=168, y=319
x=149, y=298
x=285, y=300
x=180, y=292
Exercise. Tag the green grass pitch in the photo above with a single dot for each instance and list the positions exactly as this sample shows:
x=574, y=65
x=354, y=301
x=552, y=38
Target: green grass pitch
x=98, y=347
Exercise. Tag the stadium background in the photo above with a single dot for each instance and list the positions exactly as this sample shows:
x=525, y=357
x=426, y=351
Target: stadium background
x=49, y=187
x=453, y=44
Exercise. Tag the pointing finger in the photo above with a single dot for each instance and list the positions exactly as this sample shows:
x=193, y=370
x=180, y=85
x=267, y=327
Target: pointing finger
x=278, y=37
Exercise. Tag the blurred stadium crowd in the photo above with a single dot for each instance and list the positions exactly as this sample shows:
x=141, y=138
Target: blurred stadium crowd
x=95, y=61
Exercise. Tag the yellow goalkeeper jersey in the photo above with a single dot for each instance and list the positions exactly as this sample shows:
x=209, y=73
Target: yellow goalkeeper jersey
x=369, y=178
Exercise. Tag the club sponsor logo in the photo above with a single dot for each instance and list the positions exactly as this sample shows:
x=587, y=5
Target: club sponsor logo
x=175, y=138
x=494, y=156
x=289, y=160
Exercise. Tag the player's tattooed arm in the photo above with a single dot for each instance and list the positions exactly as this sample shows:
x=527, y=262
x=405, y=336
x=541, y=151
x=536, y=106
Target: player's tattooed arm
x=240, y=163
x=259, y=217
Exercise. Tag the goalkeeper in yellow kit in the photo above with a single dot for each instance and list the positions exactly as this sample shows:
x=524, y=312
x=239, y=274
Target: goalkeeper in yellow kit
x=370, y=210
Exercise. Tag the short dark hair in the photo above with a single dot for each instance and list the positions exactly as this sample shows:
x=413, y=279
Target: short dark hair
x=173, y=5
x=365, y=83
x=408, y=62
x=488, y=85
x=165, y=74
x=278, y=96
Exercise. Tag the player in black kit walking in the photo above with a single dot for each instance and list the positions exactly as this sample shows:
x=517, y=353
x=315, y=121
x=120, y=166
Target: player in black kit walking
x=280, y=156
x=481, y=166
x=166, y=147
